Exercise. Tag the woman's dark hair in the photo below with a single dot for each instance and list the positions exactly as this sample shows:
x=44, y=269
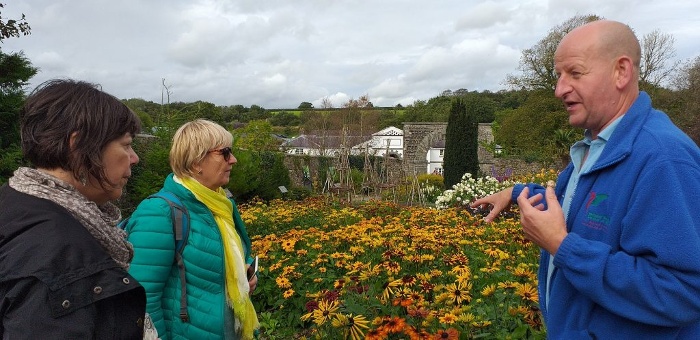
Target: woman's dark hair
x=58, y=108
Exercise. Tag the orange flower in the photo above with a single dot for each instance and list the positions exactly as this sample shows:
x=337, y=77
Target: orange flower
x=376, y=334
x=395, y=324
x=449, y=334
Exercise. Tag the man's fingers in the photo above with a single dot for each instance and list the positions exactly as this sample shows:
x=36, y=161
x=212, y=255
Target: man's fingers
x=522, y=198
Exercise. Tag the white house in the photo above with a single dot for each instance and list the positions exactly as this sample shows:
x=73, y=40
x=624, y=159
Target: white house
x=328, y=144
x=388, y=140
x=435, y=156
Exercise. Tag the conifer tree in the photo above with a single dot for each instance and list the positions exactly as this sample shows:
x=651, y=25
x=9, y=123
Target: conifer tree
x=461, y=143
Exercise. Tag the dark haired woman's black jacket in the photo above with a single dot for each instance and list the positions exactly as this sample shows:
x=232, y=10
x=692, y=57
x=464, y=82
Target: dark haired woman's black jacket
x=56, y=280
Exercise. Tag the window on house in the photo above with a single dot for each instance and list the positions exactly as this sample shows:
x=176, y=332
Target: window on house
x=298, y=151
x=442, y=153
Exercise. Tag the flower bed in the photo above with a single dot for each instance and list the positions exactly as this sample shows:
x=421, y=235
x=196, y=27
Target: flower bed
x=378, y=270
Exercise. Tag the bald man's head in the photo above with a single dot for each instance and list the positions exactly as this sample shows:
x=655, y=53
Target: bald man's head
x=609, y=39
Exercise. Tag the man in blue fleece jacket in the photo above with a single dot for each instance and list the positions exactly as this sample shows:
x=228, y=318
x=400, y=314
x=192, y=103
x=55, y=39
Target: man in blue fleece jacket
x=620, y=234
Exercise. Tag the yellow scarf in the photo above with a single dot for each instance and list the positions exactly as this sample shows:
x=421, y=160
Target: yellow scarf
x=237, y=287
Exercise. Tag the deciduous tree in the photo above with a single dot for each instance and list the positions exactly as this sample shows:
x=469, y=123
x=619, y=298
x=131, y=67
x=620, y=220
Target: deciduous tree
x=657, y=63
x=15, y=72
x=537, y=62
x=12, y=27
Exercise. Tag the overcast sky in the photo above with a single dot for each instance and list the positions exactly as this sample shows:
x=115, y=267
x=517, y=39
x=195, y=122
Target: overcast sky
x=279, y=53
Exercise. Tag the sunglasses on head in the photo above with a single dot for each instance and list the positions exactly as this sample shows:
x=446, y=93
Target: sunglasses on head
x=226, y=152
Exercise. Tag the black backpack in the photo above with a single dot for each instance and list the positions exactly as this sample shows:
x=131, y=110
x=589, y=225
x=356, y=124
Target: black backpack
x=181, y=228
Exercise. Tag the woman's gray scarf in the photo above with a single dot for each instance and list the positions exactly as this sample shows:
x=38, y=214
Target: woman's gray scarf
x=100, y=221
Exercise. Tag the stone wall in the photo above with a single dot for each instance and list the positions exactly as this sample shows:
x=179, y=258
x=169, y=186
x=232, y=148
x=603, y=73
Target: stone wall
x=418, y=137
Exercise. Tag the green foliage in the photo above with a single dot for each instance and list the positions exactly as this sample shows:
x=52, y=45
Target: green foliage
x=528, y=130
x=10, y=160
x=284, y=118
x=298, y=193
x=431, y=186
x=461, y=141
x=13, y=28
x=683, y=105
x=148, y=175
x=15, y=72
x=537, y=62
x=434, y=110
x=256, y=135
x=245, y=173
x=258, y=174
x=305, y=105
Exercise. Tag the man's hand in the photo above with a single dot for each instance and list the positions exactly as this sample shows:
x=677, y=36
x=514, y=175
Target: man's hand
x=547, y=228
x=496, y=202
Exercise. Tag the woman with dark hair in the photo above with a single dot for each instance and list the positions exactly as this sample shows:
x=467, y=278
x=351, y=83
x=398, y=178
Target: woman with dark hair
x=63, y=263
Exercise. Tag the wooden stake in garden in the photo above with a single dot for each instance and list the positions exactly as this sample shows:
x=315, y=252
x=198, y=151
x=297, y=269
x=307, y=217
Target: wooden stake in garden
x=369, y=180
x=386, y=177
x=345, y=185
x=415, y=191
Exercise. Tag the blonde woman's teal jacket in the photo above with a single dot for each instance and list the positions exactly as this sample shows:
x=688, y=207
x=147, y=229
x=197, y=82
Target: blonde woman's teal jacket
x=150, y=230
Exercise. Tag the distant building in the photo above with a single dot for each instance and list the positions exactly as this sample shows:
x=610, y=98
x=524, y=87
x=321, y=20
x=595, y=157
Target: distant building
x=420, y=142
x=388, y=140
x=435, y=156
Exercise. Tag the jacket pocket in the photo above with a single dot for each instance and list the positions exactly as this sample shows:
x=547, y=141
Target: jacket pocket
x=87, y=286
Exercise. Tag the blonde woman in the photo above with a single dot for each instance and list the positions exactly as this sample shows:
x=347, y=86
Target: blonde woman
x=216, y=255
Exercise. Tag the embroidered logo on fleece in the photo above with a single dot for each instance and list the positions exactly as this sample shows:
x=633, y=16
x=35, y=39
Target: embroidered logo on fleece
x=596, y=221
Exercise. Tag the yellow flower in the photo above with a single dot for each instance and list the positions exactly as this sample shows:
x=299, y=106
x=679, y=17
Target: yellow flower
x=354, y=325
x=288, y=293
x=288, y=245
x=488, y=290
x=463, y=277
x=355, y=250
x=325, y=312
x=461, y=269
x=448, y=318
x=481, y=324
x=527, y=292
x=389, y=289
x=283, y=282
x=466, y=318
x=459, y=292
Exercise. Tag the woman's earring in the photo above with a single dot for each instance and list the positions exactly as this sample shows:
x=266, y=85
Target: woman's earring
x=83, y=179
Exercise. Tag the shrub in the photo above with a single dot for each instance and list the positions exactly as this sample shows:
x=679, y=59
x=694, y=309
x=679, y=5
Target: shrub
x=469, y=189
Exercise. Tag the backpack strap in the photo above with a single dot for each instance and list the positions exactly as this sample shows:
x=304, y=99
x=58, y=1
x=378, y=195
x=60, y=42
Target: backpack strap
x=181, y=227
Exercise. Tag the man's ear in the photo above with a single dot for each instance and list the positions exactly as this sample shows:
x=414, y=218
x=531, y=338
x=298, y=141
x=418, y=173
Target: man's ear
x=624, y=71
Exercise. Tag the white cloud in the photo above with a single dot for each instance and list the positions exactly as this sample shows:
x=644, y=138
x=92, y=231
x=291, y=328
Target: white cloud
x=277, y=54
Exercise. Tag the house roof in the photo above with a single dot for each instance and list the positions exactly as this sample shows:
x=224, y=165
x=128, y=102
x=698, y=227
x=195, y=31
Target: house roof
x=390, y=131
x=325, y=142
